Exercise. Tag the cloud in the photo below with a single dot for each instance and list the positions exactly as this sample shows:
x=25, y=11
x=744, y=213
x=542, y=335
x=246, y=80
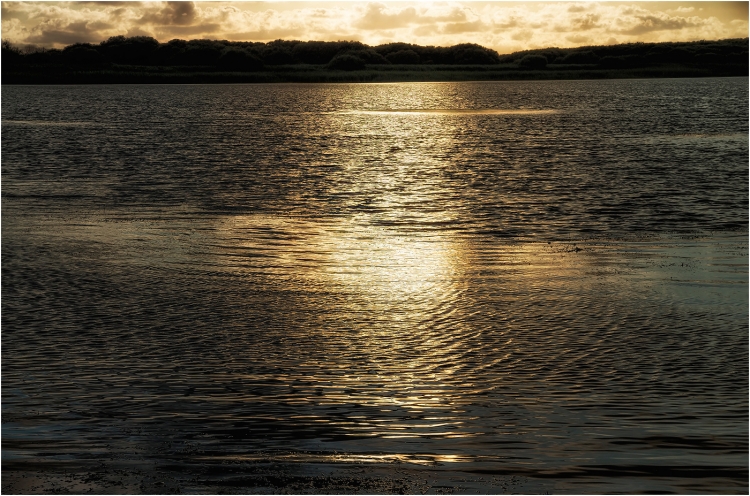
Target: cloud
x=464, y=27
x=503, y=26
x=377, y=16
x=173, y=13
x=100, y=25
x=136, y=31
x=456, y=14
x=182, y=31
x=511, y=22
x=76, y=32
x=650, y=23
x=584, y=23
x=574, y=9
x=444, y=18
x=266, y=34
x=427, y=30
x=577, y=39
x=525, y=35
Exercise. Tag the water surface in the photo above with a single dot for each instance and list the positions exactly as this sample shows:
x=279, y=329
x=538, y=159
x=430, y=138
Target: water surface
x=483, y=287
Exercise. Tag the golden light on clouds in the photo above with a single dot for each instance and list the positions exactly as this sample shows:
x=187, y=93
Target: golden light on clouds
x=504, y=26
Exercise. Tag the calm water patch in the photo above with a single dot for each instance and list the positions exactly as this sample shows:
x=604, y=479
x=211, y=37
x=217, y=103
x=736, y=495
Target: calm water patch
x=44, y=123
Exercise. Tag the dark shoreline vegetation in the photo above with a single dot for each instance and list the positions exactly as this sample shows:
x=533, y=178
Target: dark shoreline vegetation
x=142, y=59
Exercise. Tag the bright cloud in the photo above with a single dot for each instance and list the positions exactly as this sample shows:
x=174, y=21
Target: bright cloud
x=504, y=26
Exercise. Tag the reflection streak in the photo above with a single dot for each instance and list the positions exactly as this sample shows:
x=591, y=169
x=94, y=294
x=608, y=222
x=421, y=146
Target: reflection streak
x=395, y=289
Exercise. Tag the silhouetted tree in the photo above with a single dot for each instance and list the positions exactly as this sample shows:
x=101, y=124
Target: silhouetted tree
x=237, y=59
x=680, y=55
x=368, y=56
x=580, y=57
x=315, y=52
x=138, y=50
x=11, y=55
x=533, y=62
x=83, y=54
x=202, y=52
x=403, y=57
x=44, y=57
x=277, y=55
x=473, y=54
x=170, y=53
x=346, y=62
x=621, y=62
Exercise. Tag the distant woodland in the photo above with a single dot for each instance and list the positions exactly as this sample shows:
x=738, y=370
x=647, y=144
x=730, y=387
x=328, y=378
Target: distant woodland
x=144, y=60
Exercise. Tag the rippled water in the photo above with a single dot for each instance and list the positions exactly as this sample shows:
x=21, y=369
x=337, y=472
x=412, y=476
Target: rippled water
x=521, y=286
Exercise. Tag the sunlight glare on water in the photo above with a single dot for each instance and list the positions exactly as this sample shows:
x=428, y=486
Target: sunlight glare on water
x=451, y=112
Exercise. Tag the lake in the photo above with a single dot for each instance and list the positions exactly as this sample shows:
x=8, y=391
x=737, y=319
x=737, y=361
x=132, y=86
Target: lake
x=411, y=287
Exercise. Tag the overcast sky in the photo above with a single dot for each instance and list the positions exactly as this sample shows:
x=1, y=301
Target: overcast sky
x=504, y=26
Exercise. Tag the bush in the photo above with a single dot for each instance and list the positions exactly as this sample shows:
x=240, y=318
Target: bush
x=368, y=56
x=45, y=57
x=11, y=55
x=346, y=62
x=403, y=57
x=83, y=54
x=680, y=55
x=315, y=52
x=137, y=50
x=170, y=53
x=201, y=54
x=277, y=55
x=476, y=55
x=533, y=62
x=621, y=62
x=585, y=57
x=235, y=59
x=738, y=57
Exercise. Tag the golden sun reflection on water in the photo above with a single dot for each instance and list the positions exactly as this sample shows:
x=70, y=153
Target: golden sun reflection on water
x=400, y=294
x=388, y=277
x=480, y=111
x=412, y=458
x=389, y=269
x=409, y=325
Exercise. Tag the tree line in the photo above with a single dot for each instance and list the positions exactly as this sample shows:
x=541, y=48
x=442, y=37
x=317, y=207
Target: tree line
x=225, y=55
x=241, y=56
x=633, y=55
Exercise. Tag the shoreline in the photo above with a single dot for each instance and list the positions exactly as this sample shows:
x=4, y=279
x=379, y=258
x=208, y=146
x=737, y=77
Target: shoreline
x=294, y=74
x=265, y=477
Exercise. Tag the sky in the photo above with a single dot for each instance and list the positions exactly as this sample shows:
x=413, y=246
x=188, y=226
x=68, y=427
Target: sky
x=503, y=26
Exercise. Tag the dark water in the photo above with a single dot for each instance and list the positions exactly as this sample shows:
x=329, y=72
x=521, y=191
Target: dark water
x=521, y=286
